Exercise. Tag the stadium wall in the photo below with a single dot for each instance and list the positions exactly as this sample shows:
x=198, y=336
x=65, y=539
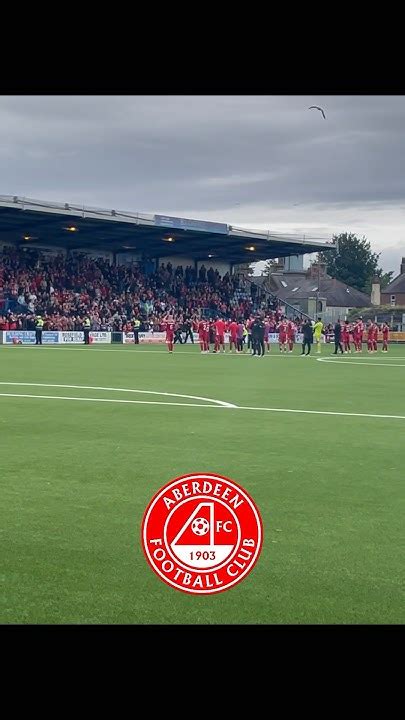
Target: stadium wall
x=53, y=337
x=76, y=337
x=222, y=267
x=94, y=254
x=46, y=249
x=128, y=257
x=160, y=337
x=176, y=261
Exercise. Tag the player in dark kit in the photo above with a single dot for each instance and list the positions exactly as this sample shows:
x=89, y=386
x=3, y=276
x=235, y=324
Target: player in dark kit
x=188, y=330
x=386, y=335
x=257, y=329
x=307, y=337
x=177, y=333
x=338, y=338
x=212, y=334
x=249, y=324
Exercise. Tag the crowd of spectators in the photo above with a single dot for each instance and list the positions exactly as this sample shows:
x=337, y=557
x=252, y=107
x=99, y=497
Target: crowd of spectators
x=65, y=289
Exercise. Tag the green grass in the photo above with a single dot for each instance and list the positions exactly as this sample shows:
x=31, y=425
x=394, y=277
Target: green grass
x=76, y=477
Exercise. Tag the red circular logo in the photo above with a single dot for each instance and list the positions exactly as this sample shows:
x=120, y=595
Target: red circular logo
x=202, y=533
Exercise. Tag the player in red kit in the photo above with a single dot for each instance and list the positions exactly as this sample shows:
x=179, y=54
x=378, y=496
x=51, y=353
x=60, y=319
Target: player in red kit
x=266, y=333
x=204, y=335
x=386, y=335
x=361, y=331
x=291, y=329
x=201, y=335
x=282, y=335
x=219, y=335
x=233, y=335
x=346, y=336
x=351, y=335
x=375, y=337
x=169, y=321
x=357, y=335
x=370, y=337
x=206, y=330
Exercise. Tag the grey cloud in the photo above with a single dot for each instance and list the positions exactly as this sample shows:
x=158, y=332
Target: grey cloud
x=206, y=154
x=391, y=257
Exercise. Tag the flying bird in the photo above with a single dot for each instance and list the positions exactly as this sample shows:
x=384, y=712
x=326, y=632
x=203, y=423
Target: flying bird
x=316, y=107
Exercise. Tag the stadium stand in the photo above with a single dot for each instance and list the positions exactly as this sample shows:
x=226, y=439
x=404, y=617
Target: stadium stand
x=64, y=289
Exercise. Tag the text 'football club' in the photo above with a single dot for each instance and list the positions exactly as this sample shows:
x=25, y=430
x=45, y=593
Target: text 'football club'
x=202, y=533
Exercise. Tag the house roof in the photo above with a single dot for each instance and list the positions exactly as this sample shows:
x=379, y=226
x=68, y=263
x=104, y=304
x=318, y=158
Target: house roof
x=396, y=286
x=288, y=286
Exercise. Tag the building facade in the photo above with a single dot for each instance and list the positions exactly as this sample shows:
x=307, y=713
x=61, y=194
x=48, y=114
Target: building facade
x=314, y=292
x=394, y=293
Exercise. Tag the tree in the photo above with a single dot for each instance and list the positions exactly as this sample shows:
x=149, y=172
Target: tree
x=354, y=263
x=269, y=267
x=245, y=269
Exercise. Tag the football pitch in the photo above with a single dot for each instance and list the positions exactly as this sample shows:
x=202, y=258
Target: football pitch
x=89, y=434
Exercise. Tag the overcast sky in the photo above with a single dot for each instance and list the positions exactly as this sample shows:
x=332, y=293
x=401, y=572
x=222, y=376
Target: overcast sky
x=261, y=162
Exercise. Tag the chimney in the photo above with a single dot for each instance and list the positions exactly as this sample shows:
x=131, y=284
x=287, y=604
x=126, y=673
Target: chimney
x=376, y=291
x=313, y=270
x=403, y=266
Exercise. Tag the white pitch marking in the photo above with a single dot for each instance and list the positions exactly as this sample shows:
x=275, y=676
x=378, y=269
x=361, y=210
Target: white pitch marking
x=225, y=407
x=369, y=357
x=127, y=390
x=83, y=348
x=358, y=362
x=111, y=400
x=321, y=412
